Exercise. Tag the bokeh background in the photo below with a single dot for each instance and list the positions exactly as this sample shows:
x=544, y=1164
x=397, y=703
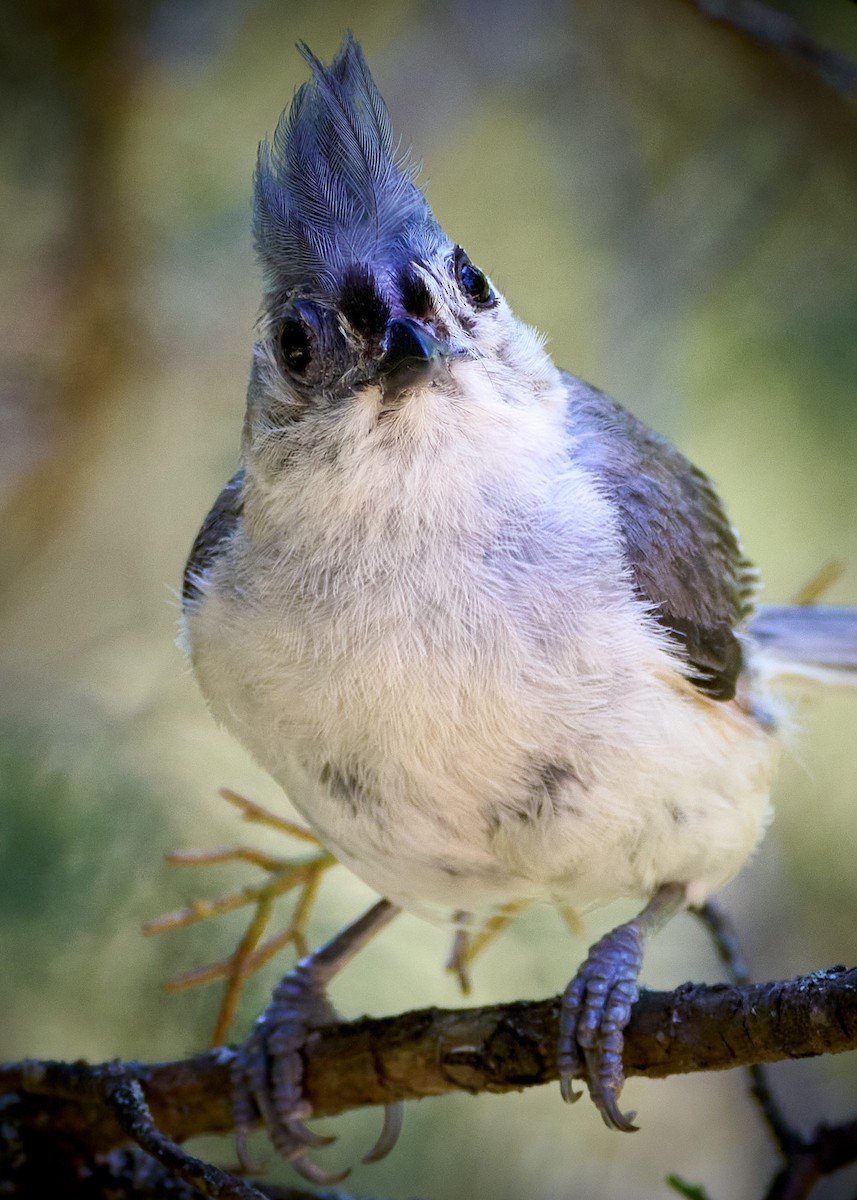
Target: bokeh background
x=676, y=208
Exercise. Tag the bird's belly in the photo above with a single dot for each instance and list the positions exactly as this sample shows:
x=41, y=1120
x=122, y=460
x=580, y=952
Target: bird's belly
x=465, y=787
x=439, y=861
x=426, y=861
x=478, y=829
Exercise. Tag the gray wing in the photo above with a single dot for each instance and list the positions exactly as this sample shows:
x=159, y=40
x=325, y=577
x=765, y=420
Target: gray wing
x=683, y=552
x=216, y=530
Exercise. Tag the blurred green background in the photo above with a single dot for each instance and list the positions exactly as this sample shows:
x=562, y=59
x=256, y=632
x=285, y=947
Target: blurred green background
x=676, y=209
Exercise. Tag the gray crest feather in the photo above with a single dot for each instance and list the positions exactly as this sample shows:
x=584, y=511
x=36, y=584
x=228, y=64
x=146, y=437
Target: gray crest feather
x=329, y=188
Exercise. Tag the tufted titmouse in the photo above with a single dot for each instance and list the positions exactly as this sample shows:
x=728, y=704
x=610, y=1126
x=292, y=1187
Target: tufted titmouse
x=494, y=637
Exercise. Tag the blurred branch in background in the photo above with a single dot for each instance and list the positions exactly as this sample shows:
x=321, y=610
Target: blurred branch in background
x=806, y=1159
x=72, y=324
x=249, y=955
x=778, y=30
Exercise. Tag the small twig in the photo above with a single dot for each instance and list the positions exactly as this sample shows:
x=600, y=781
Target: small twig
x=55, y=1168
x=251, y=953
x=217, y=856
x=251, y=811
x=210, y=973
x=788, y=1139
x=303, y=908
x=125, y=1097
x=240, y=968
x=572, y=919
x=287, y=875
x=467, y=945
x=820, y=583
x=457, y=962
x=493, y=927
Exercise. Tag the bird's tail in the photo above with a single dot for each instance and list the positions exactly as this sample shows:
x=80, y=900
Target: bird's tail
x=815, y=642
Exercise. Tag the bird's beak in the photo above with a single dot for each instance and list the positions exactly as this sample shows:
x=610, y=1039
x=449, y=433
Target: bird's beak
x=410, y=357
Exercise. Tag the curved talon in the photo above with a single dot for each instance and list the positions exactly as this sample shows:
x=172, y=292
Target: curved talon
x=248, y=1166
x=298, y=1130
x=292, y=1143
x=605, y=1090
x=270, y=1118
x=566, y=1088
x=389, y=1135
x=315, y=1174
x=614, y=1118
x=612, y=1115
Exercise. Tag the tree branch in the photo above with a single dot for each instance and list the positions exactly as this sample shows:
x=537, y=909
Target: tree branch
x=432, y=1051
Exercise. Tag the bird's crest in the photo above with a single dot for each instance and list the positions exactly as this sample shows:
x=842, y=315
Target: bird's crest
x=329, y=188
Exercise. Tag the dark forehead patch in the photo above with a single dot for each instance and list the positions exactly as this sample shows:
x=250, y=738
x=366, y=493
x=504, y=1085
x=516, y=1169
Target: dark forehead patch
x=361, y=302
x=416, y=298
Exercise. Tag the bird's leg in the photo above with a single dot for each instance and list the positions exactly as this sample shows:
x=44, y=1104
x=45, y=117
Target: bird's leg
x=596, y=1007
x=459, y=955
x=267, y=1071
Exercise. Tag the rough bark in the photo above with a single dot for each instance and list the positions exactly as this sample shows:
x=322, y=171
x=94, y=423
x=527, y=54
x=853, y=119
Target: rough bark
x=433, y=1051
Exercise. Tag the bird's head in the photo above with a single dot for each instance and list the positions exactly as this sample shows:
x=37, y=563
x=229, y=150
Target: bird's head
x=372, y=316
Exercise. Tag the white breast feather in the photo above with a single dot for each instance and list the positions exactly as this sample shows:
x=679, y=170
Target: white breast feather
x=359, y=620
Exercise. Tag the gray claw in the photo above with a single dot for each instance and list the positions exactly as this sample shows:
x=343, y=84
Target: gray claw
x=306, y=1137
x=247, y=1164
x=614, y=1118
x=315, y=1174
x=605, y=1094
x=389, y=1135
x=566, y=1088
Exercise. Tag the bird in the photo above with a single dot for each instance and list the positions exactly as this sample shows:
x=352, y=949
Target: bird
x=497, y=640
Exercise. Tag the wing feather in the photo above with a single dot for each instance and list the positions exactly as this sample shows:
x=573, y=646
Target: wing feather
x=683, y=552
x=217, y=529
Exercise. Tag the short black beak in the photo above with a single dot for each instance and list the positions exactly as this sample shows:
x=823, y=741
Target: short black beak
x=410, y=354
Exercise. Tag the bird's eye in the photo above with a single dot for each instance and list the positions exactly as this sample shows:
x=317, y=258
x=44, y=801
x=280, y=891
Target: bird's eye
x=294, y=344
x=474, y=283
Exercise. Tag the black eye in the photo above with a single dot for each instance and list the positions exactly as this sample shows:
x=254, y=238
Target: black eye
x=295, y=348
x=474, y=283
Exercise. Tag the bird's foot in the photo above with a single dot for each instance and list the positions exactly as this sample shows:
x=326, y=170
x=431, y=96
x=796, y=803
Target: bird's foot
x=267, y=1075
x=267, y=1071
x=596, y=1007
